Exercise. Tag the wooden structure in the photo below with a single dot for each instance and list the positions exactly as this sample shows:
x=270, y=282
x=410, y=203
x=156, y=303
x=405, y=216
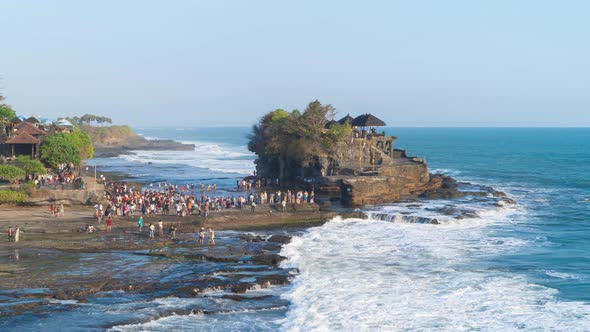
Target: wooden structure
x=24, y=144
x=23, y=138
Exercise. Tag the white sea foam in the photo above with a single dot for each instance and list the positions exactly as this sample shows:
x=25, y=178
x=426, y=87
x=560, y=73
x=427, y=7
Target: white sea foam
x=375, y=275
x=560, y=275
x=446, y=171
x=213, y=156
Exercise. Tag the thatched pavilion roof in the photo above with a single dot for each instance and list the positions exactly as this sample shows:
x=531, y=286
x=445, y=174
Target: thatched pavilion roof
x=368, y=120
x=23, y=138
x=30, y=129
x=346, y=120
x=32, y=119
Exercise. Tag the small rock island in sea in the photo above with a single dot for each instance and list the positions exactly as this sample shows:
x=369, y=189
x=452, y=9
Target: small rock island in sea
x=348, y=161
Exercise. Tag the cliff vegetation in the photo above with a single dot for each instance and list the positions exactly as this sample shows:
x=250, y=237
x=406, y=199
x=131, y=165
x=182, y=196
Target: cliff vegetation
x=290, y=145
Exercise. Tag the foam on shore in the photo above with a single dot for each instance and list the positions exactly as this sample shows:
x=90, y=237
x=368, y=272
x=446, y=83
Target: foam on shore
x=206, y=155
x=377, y=275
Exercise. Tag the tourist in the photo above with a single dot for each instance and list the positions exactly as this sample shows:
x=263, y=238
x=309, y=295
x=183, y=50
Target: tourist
x=10, y=234
x=152, y=230
x=61, y=209
x=16, y=233
x=140, y=224
x=253, y=204
x=52, y=210
x=202, y=236
x=211, y=236
x=109, y=224
x=160, y=227
x=173, y=232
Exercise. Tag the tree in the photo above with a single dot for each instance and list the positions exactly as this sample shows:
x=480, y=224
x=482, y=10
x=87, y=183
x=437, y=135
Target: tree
x=60, y=148
x=6, y=112
x=288, y=144
x=31, y=166
x=84, y=144
x=336, y=135
x=11, y=172
x=89, y=118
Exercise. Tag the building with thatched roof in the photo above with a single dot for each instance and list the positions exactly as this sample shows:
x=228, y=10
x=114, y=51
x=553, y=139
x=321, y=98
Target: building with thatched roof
x=367, y=120
x=30, y=129
x=22, y=138
x=32, y=120
x=25, y=144
x=346, y=120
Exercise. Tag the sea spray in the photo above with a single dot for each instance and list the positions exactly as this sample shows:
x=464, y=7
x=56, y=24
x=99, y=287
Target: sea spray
x=375, y=275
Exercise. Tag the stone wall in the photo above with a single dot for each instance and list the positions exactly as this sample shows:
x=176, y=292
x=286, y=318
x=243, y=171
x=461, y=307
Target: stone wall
x=67, y=197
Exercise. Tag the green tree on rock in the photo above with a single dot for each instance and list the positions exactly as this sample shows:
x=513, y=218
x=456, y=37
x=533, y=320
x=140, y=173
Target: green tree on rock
x=289, y=145
x=60, y=148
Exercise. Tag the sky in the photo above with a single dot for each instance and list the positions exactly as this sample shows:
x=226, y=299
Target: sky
x=496, y=63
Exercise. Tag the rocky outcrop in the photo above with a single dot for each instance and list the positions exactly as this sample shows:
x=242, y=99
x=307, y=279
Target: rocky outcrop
x=392, y=184
x=139, y=143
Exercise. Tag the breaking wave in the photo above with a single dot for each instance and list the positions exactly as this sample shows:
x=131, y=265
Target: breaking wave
x=206, y=155
x=400, y=272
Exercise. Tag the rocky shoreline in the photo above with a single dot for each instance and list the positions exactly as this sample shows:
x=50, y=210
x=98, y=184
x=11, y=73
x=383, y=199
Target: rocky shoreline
x=139, y=143
x=48, y=256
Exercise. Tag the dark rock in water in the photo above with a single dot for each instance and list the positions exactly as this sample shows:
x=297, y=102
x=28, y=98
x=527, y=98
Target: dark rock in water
x=470, y=214
x=449, y=210
x=272, y=247
x=448, y=188
x=273, y=280
x=240, y=298
x=242, y=288
x=435, y=222
x=282, y=239
x=505, y=201
x=268, y=259
x=252, y=238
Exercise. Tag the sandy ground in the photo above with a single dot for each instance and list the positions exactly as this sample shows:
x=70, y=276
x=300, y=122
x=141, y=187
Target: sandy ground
x=40, y=230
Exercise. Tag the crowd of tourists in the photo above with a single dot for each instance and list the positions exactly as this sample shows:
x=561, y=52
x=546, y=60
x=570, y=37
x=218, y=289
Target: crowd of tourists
x=65, y=176
x=181, y=200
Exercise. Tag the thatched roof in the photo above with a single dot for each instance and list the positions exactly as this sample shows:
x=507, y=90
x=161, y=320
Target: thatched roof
x=367, y=120
x=346, y=120
x=16, y=120
x=23, y=138
x=30, y=129
x=329, y=124
x=32, y=119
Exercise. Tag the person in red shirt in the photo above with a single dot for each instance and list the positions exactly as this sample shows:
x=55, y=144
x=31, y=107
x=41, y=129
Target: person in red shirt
x=109, y=224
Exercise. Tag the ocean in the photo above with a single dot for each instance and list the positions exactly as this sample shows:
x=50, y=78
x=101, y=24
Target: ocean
x=501, y=268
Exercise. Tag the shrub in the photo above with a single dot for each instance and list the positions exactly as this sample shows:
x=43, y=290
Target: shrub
x=10, y=172
x=31, y=166
x=59, y=149
x=12, y=197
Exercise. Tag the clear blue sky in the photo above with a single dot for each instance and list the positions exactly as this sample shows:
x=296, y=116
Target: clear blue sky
x=412, y=63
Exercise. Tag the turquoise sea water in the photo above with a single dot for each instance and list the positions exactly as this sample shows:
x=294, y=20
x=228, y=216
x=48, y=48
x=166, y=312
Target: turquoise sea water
x=516, y=267
x=547, y=171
